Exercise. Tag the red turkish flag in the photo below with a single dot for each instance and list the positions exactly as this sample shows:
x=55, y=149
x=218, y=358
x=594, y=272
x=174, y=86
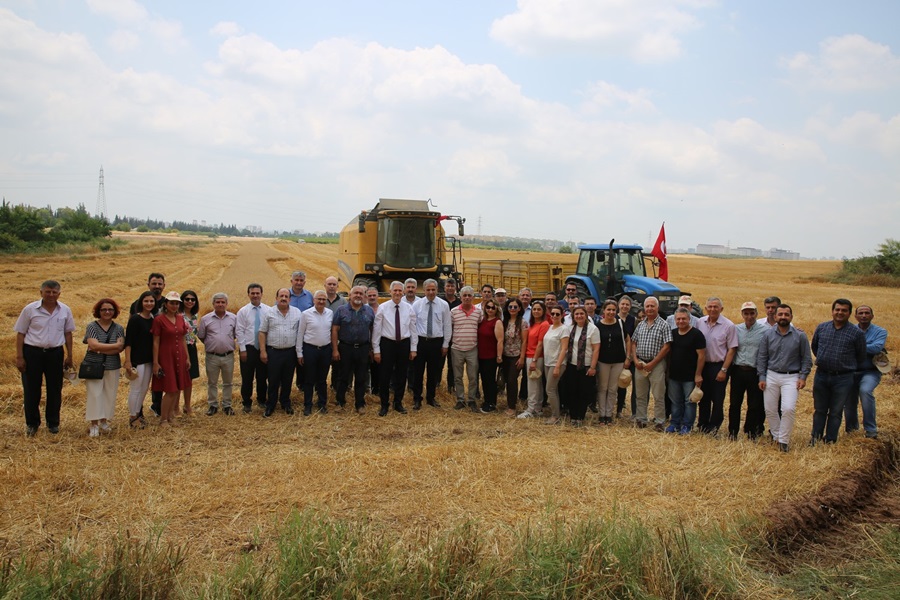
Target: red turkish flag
x=659, y=251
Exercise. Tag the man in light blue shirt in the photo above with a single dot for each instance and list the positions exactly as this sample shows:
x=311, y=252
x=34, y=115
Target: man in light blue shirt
x=868, y=376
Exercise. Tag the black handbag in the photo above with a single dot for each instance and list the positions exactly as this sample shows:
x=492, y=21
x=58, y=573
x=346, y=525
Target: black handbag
x=91, y=370
x=94, y=370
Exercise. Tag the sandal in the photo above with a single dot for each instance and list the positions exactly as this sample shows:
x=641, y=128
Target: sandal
x=139, y=419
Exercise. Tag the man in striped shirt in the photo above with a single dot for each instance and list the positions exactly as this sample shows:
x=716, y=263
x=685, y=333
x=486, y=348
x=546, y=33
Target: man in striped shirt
x=465, y=319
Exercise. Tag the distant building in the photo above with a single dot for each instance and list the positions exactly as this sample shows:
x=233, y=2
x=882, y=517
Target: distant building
x=780, y=254
x=711, y=249
x=744, y=251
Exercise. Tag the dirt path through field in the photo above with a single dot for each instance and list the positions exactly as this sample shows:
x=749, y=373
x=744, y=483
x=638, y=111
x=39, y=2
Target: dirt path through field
x=251, y=262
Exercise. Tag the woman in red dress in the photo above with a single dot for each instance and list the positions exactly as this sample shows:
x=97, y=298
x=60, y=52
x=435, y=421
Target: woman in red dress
x=171, y=362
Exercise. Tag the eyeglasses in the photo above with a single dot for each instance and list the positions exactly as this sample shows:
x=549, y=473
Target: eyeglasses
x=490, y=308
x=189, y=299
x=513, y=307
x=556, y=314
x=107, y=310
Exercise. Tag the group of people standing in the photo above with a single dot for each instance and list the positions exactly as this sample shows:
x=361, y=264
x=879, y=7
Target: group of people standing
x=568, y=354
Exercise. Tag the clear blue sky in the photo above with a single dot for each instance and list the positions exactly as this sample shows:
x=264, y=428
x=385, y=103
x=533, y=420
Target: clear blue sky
x=762, y=124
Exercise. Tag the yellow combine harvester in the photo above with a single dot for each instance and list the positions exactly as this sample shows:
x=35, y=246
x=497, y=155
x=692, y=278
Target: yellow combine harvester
x=396, y=240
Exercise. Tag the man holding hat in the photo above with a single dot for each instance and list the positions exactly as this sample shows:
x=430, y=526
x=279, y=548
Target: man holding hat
x=868, y=376
x=686, y=361
x=744, y=378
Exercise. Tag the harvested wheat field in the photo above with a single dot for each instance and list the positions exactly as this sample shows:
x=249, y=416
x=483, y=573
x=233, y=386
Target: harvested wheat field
x=223, y=485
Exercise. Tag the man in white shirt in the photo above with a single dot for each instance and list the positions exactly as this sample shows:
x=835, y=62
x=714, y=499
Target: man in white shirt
x=249, y=318
x=394, y=345
x=314, y=351
x=43, y=329
x=434, y=330
x=278, y=349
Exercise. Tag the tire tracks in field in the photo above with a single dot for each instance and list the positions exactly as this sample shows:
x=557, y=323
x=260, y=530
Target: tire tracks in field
x=251, y=262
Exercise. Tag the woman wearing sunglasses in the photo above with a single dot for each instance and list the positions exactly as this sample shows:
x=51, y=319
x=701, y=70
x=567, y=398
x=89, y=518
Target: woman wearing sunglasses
x=190, y=306
x=555, y=346
x=490, y=353
x=514, y=340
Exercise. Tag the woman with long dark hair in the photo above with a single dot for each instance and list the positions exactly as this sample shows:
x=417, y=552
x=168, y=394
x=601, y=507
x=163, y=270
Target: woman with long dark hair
x=555, y=349
x=490, y=353
x=629, y=323
x=581, y=371
x=190, y=306
x=613, y=358
x=534, y=361
x=515, y=334
x=139, y=356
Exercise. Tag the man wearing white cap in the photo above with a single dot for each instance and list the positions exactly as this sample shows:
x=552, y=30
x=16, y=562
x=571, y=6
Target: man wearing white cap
x=744, y=379
x=683, y=302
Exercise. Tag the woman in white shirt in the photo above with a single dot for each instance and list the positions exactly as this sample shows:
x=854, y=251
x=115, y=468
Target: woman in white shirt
x=556, y=344
x=581, y=372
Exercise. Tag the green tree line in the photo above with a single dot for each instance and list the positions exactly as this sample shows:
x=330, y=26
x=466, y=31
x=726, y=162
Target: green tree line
x=26, y=227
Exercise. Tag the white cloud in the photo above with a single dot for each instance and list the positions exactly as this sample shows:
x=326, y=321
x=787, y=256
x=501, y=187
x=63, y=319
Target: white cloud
x=605, y=97
x=649, y=30
x=746, y=136
x=122, y=11
x=226, y=29
x=862, y=129
x=306, y=137
x=123, y=40
x=167, y=32
x=480, y=167
x=847, y=63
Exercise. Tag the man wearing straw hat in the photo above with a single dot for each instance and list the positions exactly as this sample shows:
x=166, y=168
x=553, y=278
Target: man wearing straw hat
x=686, y=361
x=869, y=375
x=783, y=364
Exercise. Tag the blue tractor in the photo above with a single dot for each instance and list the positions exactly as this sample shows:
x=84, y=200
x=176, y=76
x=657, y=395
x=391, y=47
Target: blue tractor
x=612, y=270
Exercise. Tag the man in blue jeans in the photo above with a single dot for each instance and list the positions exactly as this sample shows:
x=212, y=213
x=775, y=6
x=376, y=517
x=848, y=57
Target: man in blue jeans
x=868, y=377
x=840, y=349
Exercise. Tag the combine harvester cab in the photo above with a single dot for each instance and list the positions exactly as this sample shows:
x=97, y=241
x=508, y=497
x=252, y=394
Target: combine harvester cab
x=610, y=271
x=394, y=241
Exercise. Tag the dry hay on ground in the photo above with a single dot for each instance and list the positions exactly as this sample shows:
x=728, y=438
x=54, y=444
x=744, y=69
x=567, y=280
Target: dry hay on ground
x=217, y=483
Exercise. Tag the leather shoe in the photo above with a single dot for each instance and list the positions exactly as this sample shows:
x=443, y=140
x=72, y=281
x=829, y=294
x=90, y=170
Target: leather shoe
x=307, y=411
x=30, y=431
x=289, y=411
x=212, y=410
x=434, y=403
x=417, y=405
x=383, y=411
x=248, y=408
x=228, y=411
x=399, y=408
x=53, y=430
x=267, y=414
